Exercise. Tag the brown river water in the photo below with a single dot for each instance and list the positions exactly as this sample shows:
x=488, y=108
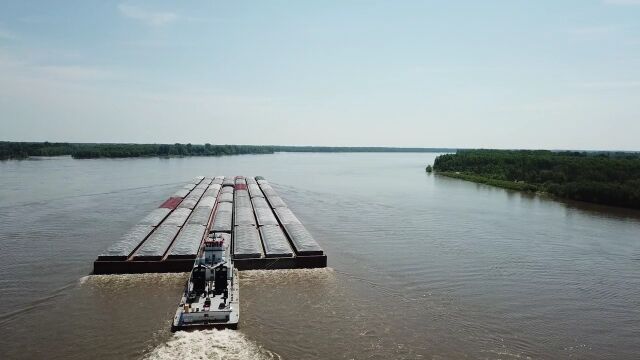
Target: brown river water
x=420, y=266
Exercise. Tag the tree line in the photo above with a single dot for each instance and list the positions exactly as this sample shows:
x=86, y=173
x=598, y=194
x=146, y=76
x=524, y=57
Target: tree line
x=23, y=150
x=611, y=178
x=357, y=149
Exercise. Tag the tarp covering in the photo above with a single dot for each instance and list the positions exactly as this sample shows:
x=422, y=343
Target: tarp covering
x=261, y=181
x=155, y=217
x=242, y=193
x=244, y=216
x=260, y=203
x=222, y=221
x=228, y=182
x=214, y=186
x=251, y=180
x=268, y=190
x=217, y=181
x=275, y=242
x=202, y=186
x=188, y=203
x=196, y=193
x=158, y=242
x=172, y=202
x=246, y=242
x=206, y=180
x=191, y=198
x=127, y=243
x=211, y=192
x=254, y=190
x=242, y=202
x=276, y=202
x=200, y=215
x=177, y=217
x=188, y=241
x=302, y=240
x=265, y=216
x=286, y=216
x=225, y=197
x=208, y=201
x=227, y=189
x=225, y=206
x=197, y=179
x=240, y=181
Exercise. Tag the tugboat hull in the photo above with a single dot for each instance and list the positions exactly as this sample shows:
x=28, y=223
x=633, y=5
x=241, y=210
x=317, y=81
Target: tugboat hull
x=183, y=321
x=211, y=296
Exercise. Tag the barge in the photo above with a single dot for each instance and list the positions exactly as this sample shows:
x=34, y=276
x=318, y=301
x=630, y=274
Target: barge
x=263, y=233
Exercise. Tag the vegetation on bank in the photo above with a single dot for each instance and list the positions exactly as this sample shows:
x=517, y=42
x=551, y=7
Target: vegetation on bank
x=512, y=185
x=23, y=150
x=356, y=149
x=598, y=177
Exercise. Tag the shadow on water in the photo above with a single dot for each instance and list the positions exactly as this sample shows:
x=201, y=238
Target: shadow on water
x=583, y=207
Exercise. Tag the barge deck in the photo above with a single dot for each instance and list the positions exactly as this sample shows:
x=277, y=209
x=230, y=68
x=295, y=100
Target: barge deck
x=263, y=232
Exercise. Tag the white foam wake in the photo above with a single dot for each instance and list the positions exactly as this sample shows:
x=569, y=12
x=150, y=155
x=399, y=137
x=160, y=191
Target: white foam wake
x=124, y=281
x=210, y=344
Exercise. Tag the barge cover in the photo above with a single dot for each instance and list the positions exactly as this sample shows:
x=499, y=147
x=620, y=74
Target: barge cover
x=263, y=231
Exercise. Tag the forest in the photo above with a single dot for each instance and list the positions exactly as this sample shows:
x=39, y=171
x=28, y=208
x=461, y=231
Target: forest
x=23, y=150
x=355, y=149
x=611, y=178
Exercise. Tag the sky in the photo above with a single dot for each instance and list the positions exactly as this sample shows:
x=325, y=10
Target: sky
x=550, y=74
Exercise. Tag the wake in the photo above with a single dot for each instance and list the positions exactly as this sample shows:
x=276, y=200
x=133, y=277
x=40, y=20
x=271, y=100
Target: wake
x=210, y=344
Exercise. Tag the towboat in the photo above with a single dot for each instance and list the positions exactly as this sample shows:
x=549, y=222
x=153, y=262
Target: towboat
x=210, y=298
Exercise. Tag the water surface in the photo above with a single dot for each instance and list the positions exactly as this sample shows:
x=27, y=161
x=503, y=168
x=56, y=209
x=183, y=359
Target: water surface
x=421, y=266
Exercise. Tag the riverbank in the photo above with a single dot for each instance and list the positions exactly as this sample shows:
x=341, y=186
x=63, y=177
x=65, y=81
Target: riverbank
x=24, y=150
x=602, y=178
x=512, y=185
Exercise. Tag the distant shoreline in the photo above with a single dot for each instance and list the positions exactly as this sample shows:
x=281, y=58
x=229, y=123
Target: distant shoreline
x=609, y=178
x=23, y=150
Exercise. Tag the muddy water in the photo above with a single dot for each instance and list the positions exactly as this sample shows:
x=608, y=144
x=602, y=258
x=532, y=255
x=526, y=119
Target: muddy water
x=420, y=266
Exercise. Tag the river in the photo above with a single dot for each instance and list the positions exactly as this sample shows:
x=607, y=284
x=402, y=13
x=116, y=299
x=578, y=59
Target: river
x=420, y=266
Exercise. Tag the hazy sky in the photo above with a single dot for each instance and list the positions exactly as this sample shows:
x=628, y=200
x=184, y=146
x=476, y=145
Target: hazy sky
x=504, y=74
